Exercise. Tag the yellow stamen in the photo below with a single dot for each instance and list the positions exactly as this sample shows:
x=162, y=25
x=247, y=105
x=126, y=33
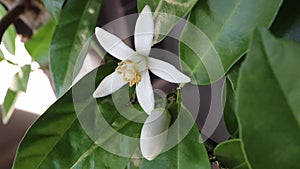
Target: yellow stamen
x=129, y=71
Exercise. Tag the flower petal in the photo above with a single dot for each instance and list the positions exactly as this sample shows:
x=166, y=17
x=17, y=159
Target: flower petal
x=144, y=30
x=167, y=71
x=109, y=84
x=113, y=45
x=144, y=93
x=154, y=133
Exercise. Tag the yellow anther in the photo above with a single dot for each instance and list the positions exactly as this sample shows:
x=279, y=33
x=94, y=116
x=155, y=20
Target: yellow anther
x=129, y=71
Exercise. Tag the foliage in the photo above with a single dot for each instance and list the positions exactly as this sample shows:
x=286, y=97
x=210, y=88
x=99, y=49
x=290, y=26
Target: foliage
x=232, y=39
x=9, y=35
x=19, y=84
x=77, y=22
x=39, y=44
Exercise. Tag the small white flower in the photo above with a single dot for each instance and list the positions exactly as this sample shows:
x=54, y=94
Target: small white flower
x=135, y=65
x=154, y=133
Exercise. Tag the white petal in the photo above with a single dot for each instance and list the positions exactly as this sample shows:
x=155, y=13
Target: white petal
x=167, y=71
x=113, y=45
x=144, y=93
x=109, y=84
x=144, y=30
x=154, y=133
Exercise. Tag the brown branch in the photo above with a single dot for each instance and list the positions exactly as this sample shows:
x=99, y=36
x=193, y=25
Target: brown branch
x=10, y=17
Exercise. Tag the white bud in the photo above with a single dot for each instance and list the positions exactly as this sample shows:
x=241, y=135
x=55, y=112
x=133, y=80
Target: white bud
x=154, y=133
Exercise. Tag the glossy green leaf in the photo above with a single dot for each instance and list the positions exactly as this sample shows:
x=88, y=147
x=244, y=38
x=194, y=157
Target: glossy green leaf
x=224, y=31
x=188, y=153
x=230, y=154
x=8, y=105
x=166, y=14
x=54, y=8
x=268, y=103
x=287, y=22
x=9, y=35
x=39, y=45
x=75, y=28
x=58, y=138
x=20, y=80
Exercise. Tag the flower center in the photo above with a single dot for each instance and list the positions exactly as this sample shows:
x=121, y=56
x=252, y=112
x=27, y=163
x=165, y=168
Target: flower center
x=129, y=71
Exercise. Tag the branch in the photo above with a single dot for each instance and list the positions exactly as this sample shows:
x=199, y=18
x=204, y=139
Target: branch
x=10, y=17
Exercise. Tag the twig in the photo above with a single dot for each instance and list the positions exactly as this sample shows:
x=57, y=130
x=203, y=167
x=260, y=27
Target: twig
x=10, y=17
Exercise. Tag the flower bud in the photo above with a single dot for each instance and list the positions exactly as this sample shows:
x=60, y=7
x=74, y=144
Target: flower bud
x=154, y=133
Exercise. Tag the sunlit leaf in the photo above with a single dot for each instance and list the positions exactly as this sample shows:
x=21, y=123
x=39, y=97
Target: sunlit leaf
x=20, y=80
x=9, y=39
x=39, y=45
x=75, y=28
x=8, y=105
x=1, y=56
x=268, y=103
x=222, y=34
x=166, y=14
x=19, y=84
x=9, y=35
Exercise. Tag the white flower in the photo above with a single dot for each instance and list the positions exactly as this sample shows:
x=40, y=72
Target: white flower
x=135, y=65
x=154, y=133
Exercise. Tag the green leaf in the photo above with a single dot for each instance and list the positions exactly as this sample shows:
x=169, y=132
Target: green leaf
x=166, y=14
x=133, y=164
x=9, y=39
x=222, y=34
x=233, y=74
x=75, y=28
x=9, y=35
x=285, y=26
x=229, y=109
x=54, y=8
x=8, y=105
x=60, y=139
x=189, y=153
x=268, y=103
x=39, y=44
x=19, y=84
x=230, y=154
x=287, y=22
x=230, y=94
x=1, y=56
x=20, y=80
